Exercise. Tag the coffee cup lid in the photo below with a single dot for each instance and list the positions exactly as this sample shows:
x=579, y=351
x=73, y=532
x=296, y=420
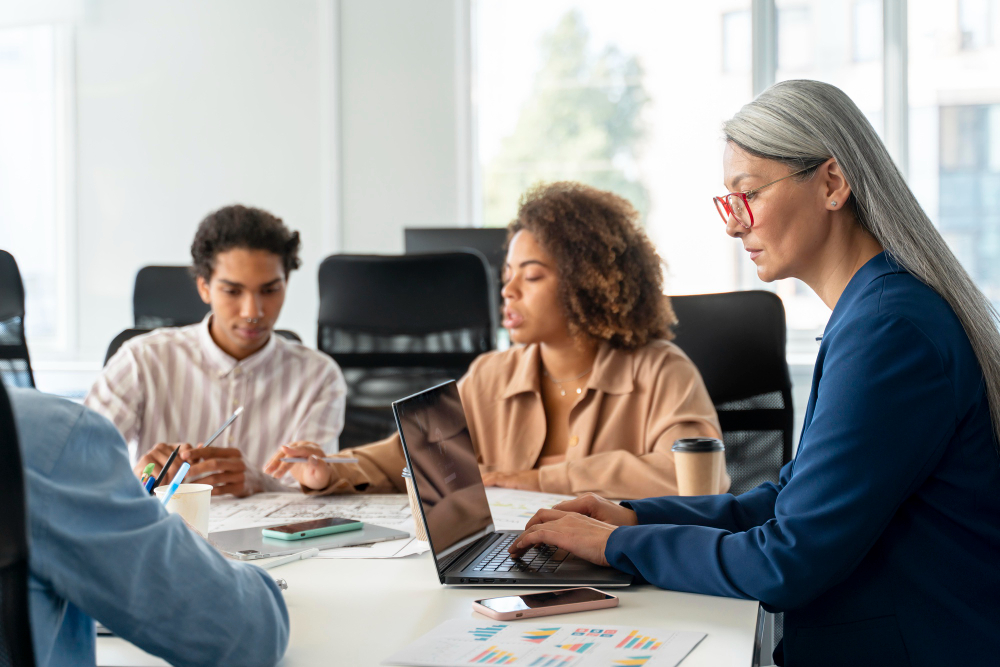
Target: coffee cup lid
x=698, y=445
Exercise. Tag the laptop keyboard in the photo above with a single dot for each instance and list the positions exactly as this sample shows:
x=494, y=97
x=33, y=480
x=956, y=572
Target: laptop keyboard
x=542, y=558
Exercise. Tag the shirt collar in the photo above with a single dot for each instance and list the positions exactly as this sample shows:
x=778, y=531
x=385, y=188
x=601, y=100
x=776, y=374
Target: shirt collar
x=612, y=372
x=879, y=265
x=222, y=360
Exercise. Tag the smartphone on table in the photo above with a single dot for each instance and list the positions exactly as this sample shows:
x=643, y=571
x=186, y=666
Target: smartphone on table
x=315, y=528
x=530, y=605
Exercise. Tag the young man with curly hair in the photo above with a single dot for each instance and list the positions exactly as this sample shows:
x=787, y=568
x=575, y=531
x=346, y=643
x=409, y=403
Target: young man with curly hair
x=175, y=386
x=593, y=395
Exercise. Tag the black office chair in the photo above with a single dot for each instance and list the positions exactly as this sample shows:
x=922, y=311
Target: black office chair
x=737, y=341
x=120, y=339
x=15, y=627
x=166, y=296
x=15, y=365
x=400, y=324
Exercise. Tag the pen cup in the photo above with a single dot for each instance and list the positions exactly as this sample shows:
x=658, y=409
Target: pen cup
x=699, y=463
x=192, y=502
x=418, y=518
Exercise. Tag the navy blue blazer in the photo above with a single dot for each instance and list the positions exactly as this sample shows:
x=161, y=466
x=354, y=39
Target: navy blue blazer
x=881, y=540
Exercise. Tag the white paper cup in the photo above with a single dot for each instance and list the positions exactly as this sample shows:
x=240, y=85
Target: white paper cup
x=192, y=502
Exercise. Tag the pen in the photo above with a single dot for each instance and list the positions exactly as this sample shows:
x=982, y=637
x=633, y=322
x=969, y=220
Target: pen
x=176, y=482
x=328, y=459
x=302, y=555
x=173, y=454
x=166, y=467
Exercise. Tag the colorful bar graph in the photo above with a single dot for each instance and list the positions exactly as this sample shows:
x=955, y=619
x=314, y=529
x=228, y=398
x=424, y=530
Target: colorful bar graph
x=486, y=633
x=576, y=648
x=493, y=656
x=553, y=661
x=539, y=635
x=638, y=642
x=634, y=661
x=593, y=632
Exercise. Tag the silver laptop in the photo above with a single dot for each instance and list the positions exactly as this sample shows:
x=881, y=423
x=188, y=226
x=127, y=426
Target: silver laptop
x=467, y=550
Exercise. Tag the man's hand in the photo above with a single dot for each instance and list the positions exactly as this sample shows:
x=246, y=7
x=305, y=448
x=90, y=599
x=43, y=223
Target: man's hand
x=526, y=480
x=580, y=535
x=594, y=506
x=158, y=456
x=221, y=467
x=313, y=474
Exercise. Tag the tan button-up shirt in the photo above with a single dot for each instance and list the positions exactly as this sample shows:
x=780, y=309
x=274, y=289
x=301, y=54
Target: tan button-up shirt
x=636, y=404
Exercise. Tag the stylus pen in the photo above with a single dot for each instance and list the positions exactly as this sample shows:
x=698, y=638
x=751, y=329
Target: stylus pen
x=176, y=482
x=302, y=555
x=328, y=459
x=173, y=454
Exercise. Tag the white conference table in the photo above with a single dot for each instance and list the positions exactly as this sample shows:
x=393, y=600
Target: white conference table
x=358, y=612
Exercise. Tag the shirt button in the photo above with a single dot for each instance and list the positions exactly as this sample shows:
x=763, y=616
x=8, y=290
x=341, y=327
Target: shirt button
x=574, y=441
x=236, y=404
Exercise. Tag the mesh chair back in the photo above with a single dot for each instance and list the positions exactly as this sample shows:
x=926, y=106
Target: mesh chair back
x=166, y=296
x=15, y=366
x=128, y=334
x=737, y=341
x=399, y=324
x=15, y=630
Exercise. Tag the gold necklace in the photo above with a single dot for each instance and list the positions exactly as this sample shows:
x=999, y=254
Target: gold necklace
x=559, y=383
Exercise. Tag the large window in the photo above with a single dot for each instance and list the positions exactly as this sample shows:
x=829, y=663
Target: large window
x=628, y=96
x=34, y=163
x=954, y=62
x=631, y=96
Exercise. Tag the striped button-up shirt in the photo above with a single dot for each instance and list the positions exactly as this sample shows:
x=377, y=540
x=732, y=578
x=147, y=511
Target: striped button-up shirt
x=176, y=385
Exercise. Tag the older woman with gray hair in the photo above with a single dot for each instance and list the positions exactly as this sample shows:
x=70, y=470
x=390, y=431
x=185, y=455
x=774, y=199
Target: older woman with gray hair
x=881, y=539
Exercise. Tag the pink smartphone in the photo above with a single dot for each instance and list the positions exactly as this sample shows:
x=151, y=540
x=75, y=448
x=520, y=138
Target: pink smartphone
x=531, y=605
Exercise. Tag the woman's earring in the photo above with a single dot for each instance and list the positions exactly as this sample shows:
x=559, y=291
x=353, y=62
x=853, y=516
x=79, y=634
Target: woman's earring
x=833, y=203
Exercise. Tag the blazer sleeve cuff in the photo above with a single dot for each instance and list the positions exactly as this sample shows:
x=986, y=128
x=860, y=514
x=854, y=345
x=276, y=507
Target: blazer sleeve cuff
x=554, y=479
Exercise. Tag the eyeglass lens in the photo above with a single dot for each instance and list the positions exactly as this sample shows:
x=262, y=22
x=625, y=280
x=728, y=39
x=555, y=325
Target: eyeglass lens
x=739, y=209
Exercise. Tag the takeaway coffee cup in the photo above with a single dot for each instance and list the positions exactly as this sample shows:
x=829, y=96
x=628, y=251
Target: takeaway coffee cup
x=418, y=518
x=699, y=463
x=192, y=502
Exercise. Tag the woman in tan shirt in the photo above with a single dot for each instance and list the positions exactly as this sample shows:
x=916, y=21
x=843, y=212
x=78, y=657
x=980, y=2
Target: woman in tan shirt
x=593, y=394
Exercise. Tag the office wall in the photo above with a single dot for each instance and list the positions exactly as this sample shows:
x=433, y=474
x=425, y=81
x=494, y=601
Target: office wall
x=405, y=134
x=186, y=106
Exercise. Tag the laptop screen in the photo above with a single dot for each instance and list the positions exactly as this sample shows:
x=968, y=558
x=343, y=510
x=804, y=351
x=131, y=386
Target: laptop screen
x=443, y=463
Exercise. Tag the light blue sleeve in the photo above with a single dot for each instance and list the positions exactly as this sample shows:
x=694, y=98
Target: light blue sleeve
x=100, y=542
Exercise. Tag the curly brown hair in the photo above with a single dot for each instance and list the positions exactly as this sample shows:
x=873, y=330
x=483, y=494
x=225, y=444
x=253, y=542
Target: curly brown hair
x=242, y=227
x=610, y=275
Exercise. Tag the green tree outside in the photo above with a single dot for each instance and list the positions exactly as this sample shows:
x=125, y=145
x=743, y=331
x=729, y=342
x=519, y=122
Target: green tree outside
x=582, y=122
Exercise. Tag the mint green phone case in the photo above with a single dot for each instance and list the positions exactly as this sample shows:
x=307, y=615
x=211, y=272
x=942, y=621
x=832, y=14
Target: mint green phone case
x=316, y=532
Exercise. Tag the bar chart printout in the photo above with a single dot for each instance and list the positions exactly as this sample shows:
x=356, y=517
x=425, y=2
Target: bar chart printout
x=637, y=642
x=577, y=648
x=487, y=633
x=552, y=661
x=463, y=642
x=493, y=656
x=539, y=635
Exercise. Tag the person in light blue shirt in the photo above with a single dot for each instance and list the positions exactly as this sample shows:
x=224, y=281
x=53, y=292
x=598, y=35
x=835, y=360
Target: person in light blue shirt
x=102, y=548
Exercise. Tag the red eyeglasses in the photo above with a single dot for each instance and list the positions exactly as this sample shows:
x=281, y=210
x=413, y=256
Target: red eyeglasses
x=735, y=204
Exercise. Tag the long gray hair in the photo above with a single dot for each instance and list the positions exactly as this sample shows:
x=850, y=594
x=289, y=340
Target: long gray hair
x=805, y=123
